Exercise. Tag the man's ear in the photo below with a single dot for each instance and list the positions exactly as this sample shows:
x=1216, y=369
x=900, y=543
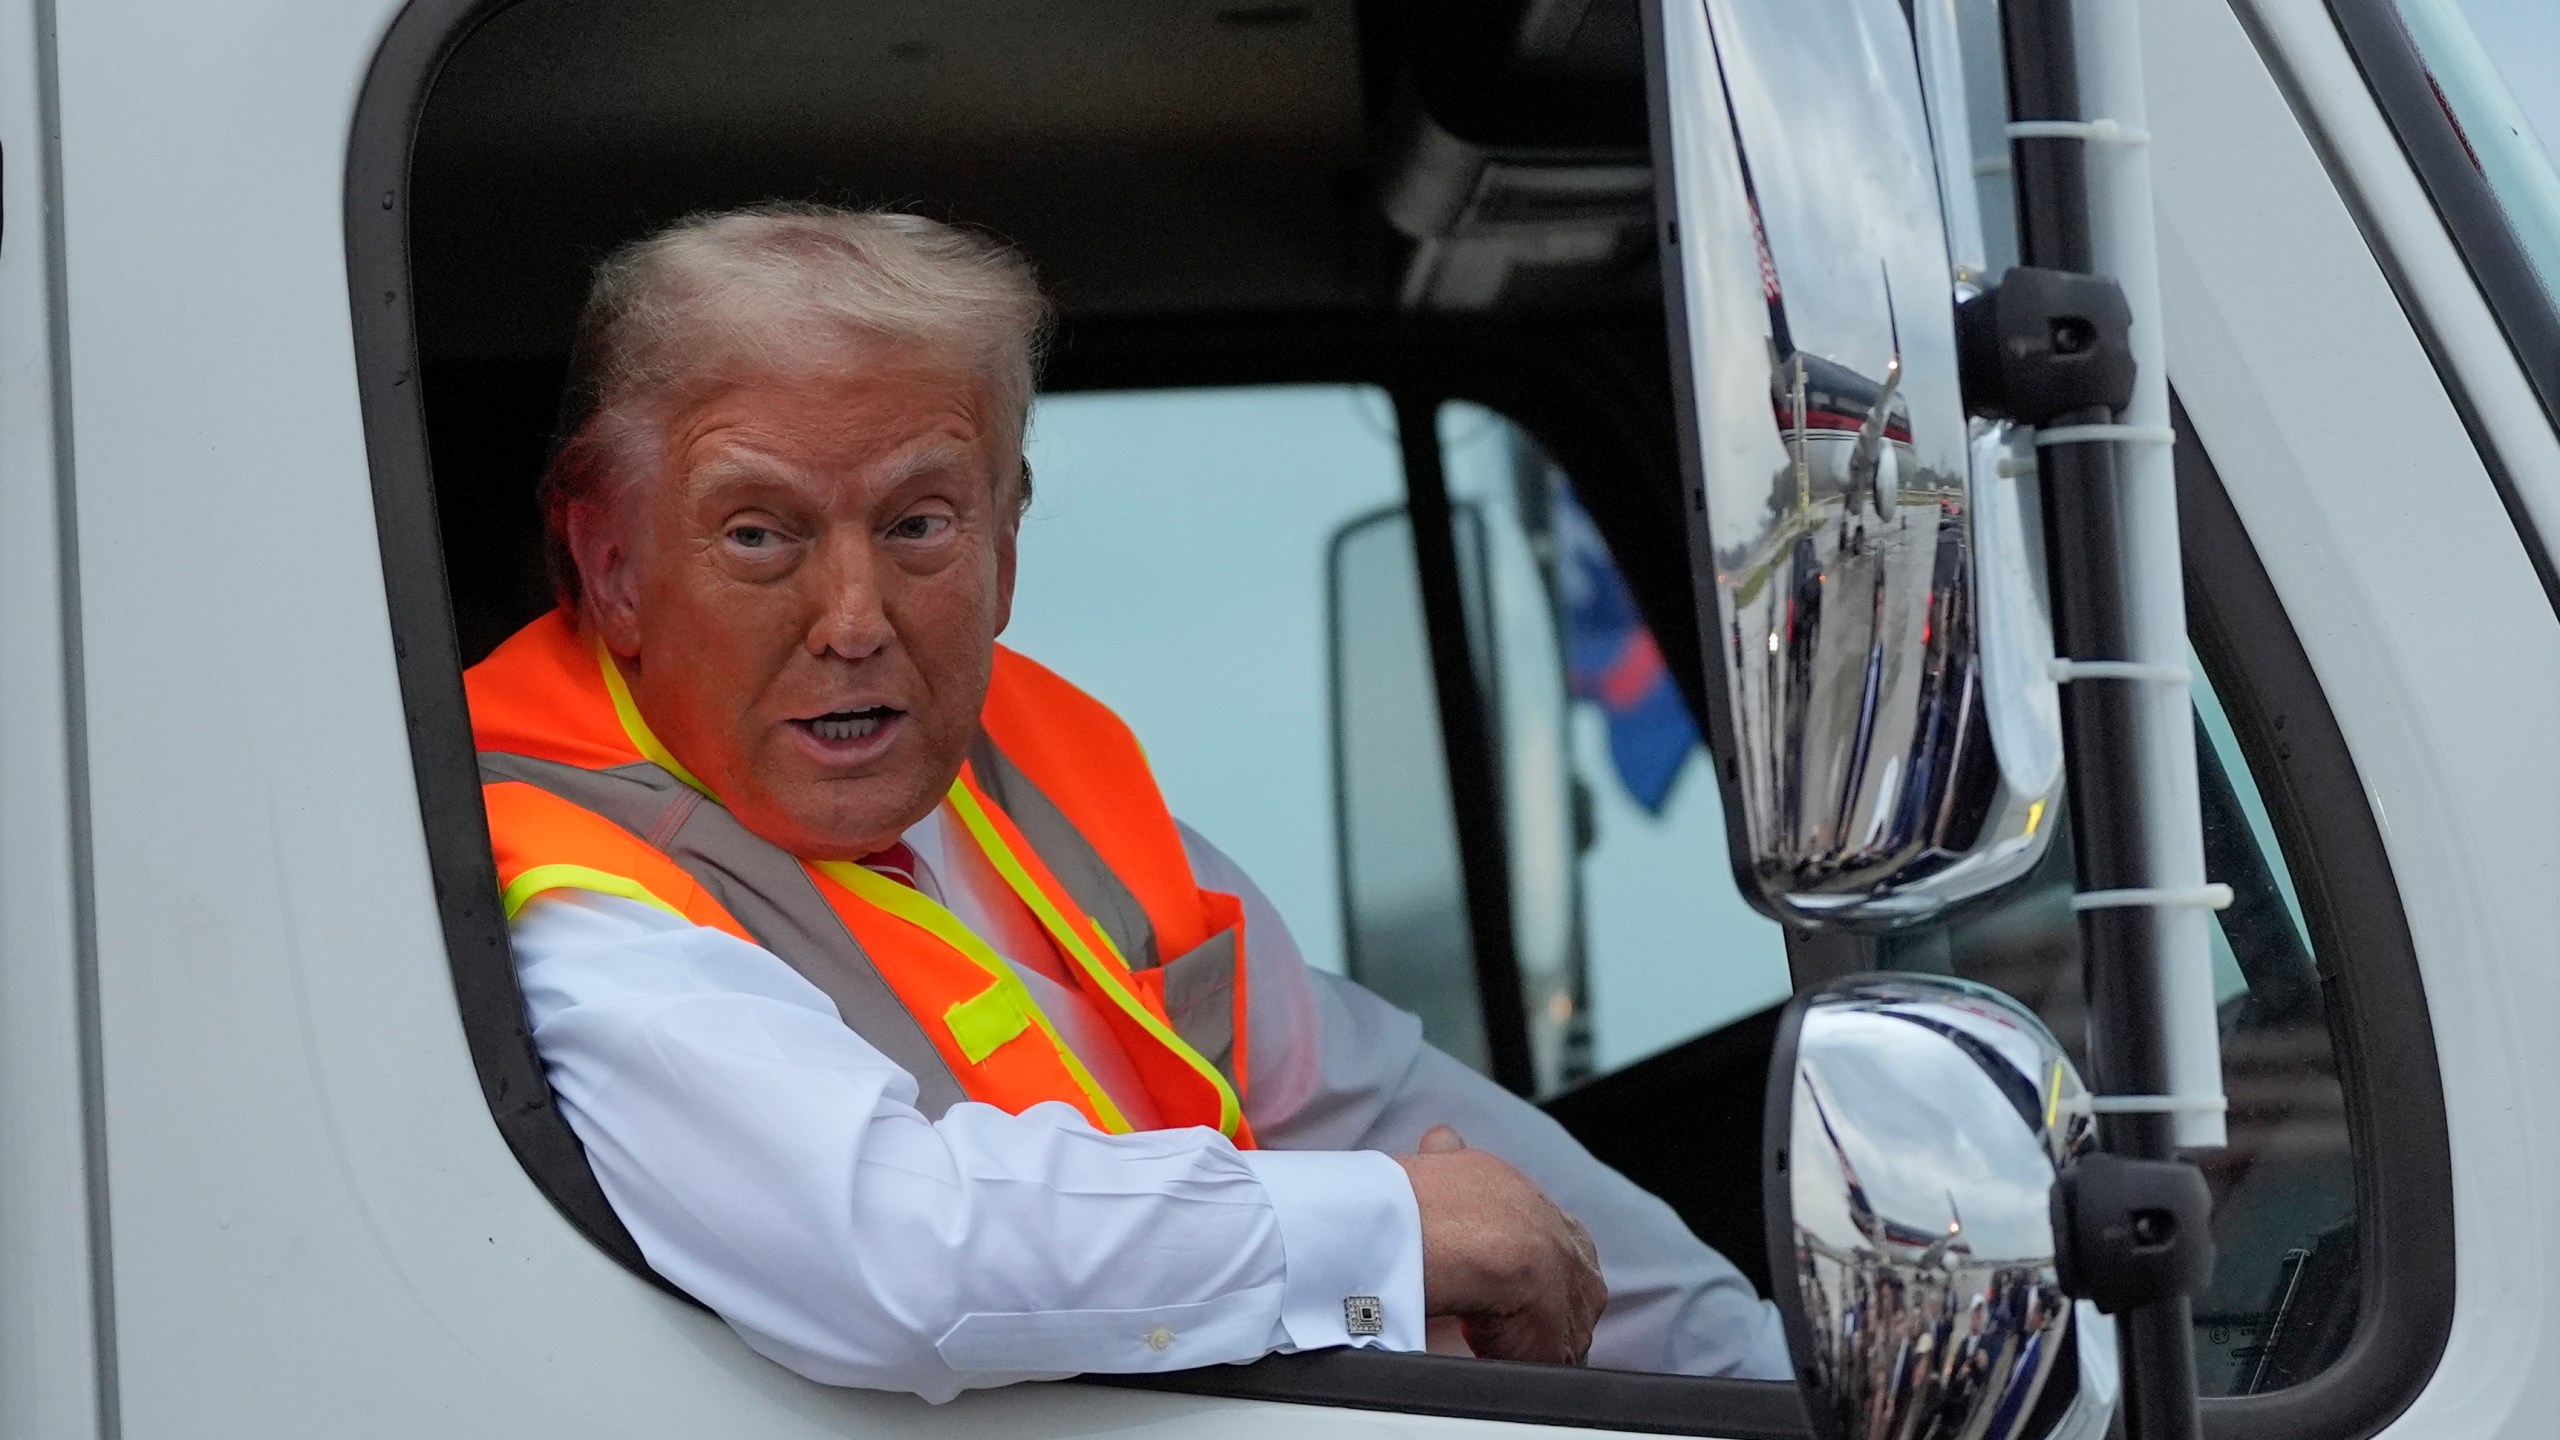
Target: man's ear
x=1008, y=531
x=1005, y=556
x=607, y=576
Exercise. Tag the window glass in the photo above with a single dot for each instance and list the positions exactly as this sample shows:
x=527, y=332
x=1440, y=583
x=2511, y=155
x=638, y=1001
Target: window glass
x=2283, y=1295
x=1173, y=564
x=1592, y=721
x=2495, y=65
x=2284, y=1291
x=1234, y=571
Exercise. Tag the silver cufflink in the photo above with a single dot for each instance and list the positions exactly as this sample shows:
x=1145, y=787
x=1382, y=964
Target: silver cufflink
x=1363, y=1315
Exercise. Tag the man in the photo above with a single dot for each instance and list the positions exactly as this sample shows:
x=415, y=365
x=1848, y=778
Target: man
x=902, y=1024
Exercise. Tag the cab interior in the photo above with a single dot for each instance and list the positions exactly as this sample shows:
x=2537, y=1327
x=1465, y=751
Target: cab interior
x=1441, y=202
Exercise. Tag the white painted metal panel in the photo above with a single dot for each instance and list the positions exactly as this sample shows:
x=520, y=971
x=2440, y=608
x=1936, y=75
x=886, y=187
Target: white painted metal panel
x=2420, y=612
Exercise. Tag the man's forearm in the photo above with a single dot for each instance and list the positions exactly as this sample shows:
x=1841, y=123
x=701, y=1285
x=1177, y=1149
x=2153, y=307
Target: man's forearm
x=770, y=1163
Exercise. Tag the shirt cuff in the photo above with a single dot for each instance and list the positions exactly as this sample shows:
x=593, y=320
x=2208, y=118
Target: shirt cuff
x=1351, y=1245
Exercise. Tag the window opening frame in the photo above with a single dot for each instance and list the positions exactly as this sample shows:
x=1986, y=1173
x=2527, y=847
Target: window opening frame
x=2371, y=985
x=1576, y=388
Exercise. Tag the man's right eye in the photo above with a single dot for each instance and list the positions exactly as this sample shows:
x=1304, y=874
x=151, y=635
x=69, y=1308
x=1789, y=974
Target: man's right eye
x=752, y=537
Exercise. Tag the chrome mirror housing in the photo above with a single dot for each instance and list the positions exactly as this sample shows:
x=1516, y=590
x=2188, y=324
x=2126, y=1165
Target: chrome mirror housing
x=1917, y=1126
x=1876, y=610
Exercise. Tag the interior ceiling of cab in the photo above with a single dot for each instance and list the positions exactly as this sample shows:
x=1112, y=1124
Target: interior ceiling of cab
x=1153, y=156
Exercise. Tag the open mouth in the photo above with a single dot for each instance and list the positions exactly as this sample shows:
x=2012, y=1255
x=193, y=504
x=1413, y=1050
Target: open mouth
x=841, y=727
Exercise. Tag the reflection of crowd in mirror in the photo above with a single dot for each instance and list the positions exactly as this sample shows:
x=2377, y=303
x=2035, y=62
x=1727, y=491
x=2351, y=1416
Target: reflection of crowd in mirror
x=1923, y=1353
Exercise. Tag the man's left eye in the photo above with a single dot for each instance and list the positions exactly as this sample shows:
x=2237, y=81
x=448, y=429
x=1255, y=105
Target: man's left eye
x=920, y=527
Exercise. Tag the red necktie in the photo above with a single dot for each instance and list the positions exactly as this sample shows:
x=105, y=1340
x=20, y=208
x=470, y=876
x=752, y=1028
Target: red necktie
x=897, y=861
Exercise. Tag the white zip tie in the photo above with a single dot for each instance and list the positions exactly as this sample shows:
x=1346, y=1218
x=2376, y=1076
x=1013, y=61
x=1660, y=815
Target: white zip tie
x=2130, y=434
x=2147, y=1104
x=2216, y=896
x=2096, y=132
x=2066, y=671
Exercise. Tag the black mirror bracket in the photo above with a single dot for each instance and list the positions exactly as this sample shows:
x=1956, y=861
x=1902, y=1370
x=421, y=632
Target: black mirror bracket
x=2130, y=1232
x=2043, y=343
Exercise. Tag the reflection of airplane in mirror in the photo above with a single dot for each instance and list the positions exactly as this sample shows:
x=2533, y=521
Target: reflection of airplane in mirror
x=1824, y=409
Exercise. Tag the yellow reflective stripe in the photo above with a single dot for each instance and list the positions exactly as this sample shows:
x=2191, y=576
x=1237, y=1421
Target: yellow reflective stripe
x=919, y=909
x=985, y=1021
x=972, y=815
x=642, y=738
x=521, y=890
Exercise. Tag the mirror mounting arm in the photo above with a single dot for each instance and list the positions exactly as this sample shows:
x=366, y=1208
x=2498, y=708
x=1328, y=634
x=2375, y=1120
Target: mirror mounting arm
x=2129, y=1232
x=2044, y=343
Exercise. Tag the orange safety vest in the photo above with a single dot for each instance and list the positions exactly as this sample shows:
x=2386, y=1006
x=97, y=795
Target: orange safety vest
x=1056, y=792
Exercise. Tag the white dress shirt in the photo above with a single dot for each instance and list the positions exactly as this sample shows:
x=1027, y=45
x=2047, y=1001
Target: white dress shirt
x=771, y=1163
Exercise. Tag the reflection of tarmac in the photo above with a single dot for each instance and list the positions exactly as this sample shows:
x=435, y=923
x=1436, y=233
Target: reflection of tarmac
x=1842, y=596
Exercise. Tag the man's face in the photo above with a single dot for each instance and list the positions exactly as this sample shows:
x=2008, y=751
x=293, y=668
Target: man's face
x=805, y=600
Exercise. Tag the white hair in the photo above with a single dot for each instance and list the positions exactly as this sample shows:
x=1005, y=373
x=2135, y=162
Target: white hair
x=780, y=288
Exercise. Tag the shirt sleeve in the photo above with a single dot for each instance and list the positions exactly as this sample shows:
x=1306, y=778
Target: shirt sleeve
x=1336, y=1068
x=772, y=1164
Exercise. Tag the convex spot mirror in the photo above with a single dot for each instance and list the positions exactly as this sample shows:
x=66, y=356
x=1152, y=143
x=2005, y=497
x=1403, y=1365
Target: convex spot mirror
x=1863, y=570
x=1916, y=1128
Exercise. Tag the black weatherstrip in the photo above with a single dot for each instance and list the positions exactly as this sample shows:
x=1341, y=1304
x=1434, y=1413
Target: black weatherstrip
x=1502, y=1389
x=466, y=879
x=2370, y=981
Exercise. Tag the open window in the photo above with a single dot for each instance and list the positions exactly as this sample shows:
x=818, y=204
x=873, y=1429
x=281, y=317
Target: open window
x=1329, y=271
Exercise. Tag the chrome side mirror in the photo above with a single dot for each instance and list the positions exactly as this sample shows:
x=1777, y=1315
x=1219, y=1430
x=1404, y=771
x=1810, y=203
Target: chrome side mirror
x=1865, y=576
x=1917, y=1128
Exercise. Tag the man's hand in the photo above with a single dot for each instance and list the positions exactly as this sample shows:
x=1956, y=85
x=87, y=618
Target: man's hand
x=1519, y=1274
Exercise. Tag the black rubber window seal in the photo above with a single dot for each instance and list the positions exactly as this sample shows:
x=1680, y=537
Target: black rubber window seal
x=413, y=50
x=2374, y=993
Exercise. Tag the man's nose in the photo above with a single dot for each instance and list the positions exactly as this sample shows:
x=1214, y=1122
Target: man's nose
x=852, y=620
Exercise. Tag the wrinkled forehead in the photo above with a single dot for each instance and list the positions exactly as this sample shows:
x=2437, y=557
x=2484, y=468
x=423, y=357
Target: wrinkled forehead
x=874, y=414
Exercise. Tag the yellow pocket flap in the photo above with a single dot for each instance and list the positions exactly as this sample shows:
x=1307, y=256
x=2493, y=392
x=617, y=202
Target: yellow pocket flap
x=989, y=1018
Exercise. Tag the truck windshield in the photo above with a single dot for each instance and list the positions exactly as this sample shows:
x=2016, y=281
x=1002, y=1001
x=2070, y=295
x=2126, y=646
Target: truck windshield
x=2495, y=66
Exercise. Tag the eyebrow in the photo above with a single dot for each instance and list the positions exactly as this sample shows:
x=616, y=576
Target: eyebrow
x=940, y=455
x=736, y=468
x=753, y=467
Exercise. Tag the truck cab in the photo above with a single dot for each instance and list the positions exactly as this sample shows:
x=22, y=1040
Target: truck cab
x=1366, y=492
